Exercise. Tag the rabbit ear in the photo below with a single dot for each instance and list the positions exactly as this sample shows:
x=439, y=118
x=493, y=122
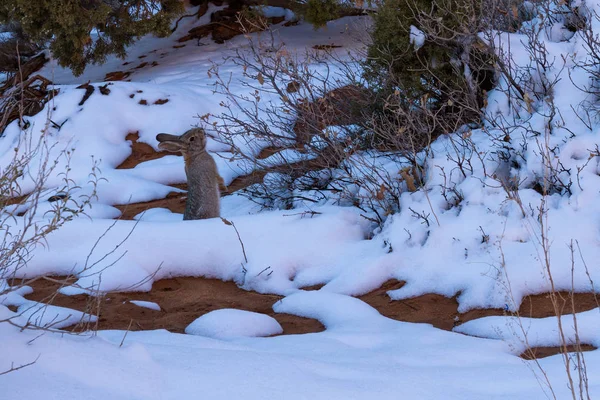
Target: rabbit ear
x=163, y=137
x=171, y=146
x=169, y=142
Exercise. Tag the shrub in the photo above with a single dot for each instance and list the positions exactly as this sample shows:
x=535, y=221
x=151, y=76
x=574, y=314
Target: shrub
x=319, y=12
x=428, y=53
x=87, y=31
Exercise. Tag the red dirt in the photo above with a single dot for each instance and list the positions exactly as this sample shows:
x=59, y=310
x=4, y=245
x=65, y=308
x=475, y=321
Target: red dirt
x=542, y=352
x=116, y=76
x=541, y=305
x=174, y=201
x=181, y=300
x=441, y=311
x=140, y=152
x=184, y=299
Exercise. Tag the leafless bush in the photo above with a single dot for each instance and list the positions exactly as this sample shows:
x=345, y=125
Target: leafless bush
x=306, y=125
x=533, y=126
x=582, y=21
x=318, y=129
x=22, y=226
x=328, y=141
x=29, y=212
x=37, y=197
x=564, y=308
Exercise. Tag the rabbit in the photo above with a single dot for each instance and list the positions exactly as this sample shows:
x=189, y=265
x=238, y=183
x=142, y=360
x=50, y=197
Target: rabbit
x=204, y=181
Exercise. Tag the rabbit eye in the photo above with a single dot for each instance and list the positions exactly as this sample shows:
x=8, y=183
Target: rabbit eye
x=192, y=139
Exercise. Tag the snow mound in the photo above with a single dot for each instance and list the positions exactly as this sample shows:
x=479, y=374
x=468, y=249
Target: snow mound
x=158, y=215
x=536, y=332
x=230, y=323
x=146, y=304
x=50, y=317
x=278, y=247
x=333, y=310
x=10, y=296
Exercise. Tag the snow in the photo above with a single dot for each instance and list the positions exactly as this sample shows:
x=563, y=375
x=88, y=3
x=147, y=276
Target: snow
x=358, y=358
x=13, y=296
x=146, y=304
x=560, y=33
x=279, y=246
x=417, y=37
x=275, y=12
x=524, y=332
x=332, y=310
x=460, y=235
x=229, y=323
x=40, y=315
x=49, y=316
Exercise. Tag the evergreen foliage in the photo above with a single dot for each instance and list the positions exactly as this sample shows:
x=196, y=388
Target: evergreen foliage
x=448, y=64
x=318, y=12
x=87, y=31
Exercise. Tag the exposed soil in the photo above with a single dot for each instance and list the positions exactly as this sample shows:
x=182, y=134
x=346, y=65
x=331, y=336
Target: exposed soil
x=15, y=200
x=140, y=152
x=440, y=311
x=542, y=352
x=181, y=300
x=116, y=76
x=174, y=201
x=542, y=305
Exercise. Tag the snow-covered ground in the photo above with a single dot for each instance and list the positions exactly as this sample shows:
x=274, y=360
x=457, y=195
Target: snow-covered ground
x=484, y=250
